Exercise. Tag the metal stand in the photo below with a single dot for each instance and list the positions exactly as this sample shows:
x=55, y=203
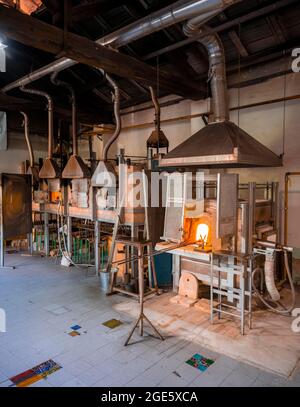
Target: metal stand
x=142, y=316
x=139, y=246
x=69, y=236
x=46, y=234
x=97, y=242
x=30, y=244
x=241, y=296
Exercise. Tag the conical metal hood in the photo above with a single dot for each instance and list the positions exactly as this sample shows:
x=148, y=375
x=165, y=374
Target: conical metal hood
x=76, y=168
x=157, y=140
x=220, y=145
x=49, y=169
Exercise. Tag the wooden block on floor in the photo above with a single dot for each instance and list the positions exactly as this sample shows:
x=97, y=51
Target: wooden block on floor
x=189, y=286
x=184, y=301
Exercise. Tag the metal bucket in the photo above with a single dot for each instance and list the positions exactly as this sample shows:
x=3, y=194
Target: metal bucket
x=105, y=279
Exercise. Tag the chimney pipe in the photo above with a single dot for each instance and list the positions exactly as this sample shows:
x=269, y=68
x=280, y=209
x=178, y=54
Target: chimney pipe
x=156, y=108
x=116, y=100
x=50, y=115
x=27, y=138
x=157, y=138
x=70, y=88
x=217, y=68
x=50, y=168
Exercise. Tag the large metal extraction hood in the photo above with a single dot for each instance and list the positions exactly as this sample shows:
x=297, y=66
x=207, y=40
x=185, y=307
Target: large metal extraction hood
x=221, y=144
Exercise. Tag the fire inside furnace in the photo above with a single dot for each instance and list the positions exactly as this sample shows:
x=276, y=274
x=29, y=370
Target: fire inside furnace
x=202, y=233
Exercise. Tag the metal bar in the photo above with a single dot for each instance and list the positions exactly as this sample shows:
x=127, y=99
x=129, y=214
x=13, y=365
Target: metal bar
x=242, y=298
x=250, y=292
x=30, y=243
x=251, y=215
x=96, y=248
x=46, y=234
x=69, y=236
x=155, y=253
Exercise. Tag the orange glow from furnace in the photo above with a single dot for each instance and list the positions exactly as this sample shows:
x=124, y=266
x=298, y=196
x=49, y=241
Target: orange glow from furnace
x=202, y=232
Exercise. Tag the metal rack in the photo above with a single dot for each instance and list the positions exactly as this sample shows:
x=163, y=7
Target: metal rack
x=234, y=300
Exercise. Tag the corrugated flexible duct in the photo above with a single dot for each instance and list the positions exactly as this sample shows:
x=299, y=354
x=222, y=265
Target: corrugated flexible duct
x=70, y=88
x=76, y=167
x=27, y=138
x=50, y=114
x=217, y=69
x=116, y=100
x=50, y=168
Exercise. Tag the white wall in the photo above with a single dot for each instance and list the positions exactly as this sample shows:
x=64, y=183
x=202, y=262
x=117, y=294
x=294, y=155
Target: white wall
x=265, y=123
x=16, y=153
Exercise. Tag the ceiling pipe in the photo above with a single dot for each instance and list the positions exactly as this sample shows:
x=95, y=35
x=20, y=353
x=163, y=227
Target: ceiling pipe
x=157, y=138
x=179, y=11
x=75, y=167
x=70, y=88
x=116, y=100
x=50, y=114
x=217, y=70
x=106, y=168
x=32, y=169
x=27, y=138
x=156, y=107
x=217, y=64
x=220, y=144
x=50, y=168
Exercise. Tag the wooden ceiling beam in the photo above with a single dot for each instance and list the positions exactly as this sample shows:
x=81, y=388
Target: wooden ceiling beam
x=91, y=9
x=276, y=28
x=34, y=33
x=235, y=39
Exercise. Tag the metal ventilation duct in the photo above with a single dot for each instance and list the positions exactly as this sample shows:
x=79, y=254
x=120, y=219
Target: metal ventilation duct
x=221, y=143
x=179, y=11
x=157, y=138
x=32, y=169
x=50, y=168
x=105, y=172
x=75, y=167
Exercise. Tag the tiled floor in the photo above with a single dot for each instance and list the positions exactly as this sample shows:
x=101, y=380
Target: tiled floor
x=43, y=300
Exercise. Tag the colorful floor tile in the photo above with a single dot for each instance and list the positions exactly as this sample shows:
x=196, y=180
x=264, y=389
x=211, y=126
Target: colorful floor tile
x=35, y=374
x=200, y=362
x=75, y=327
x=74, y=333
x=112, y=323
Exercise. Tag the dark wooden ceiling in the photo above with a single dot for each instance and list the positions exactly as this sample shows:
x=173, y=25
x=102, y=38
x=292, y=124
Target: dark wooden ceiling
x=247, y=44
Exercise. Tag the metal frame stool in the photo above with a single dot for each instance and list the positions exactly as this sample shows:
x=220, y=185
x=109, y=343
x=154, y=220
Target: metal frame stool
x=140, y=246
x=237, y=268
